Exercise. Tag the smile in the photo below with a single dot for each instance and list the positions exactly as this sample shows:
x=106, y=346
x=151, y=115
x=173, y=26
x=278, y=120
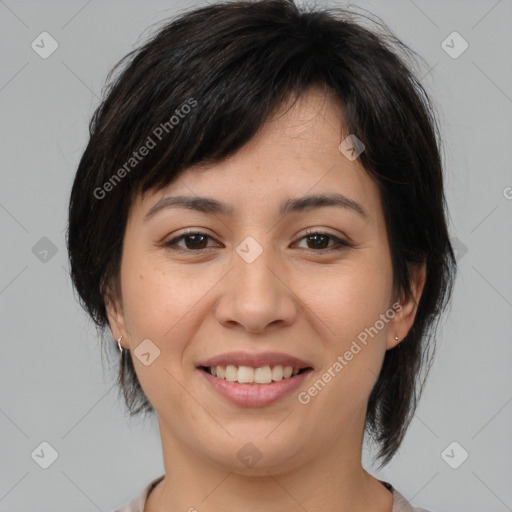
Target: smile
x=252, y=394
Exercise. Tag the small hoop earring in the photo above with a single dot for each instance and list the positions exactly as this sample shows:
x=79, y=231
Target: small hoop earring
x=119, y=344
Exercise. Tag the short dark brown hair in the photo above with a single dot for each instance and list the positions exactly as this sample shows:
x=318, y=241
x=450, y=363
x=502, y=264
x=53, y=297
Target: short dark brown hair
x=209, y=79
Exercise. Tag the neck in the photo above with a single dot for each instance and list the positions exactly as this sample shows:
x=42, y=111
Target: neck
x=334, y=481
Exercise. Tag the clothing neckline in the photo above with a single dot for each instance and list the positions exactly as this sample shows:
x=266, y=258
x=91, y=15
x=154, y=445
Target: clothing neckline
x=398, y=499
x=155, y=482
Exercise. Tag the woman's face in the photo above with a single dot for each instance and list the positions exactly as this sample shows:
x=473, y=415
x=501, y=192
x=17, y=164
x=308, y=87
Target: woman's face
x=262, y=281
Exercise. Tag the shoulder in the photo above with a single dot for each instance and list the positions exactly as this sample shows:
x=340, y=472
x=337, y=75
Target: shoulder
x=137, y=503
x=400, y=504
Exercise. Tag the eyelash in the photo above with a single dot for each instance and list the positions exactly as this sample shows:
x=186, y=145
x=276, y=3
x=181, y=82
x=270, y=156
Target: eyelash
x=340, y=244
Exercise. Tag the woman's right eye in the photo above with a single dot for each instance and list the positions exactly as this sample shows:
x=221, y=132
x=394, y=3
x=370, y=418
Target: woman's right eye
x=192, y=241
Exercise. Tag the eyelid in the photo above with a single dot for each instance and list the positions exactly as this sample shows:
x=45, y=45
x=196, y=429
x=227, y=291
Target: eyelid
x=189, y=231
x=326, y=231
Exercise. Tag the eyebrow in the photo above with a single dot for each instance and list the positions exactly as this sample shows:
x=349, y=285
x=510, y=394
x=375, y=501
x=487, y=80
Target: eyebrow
x=200, y=204
x=212, y=206
x=318, y=200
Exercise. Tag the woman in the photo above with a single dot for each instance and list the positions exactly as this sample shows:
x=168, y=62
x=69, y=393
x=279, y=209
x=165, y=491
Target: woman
x=259, y=218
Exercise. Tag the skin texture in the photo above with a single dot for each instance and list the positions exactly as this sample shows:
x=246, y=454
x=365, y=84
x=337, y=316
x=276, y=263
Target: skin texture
x=294, y=298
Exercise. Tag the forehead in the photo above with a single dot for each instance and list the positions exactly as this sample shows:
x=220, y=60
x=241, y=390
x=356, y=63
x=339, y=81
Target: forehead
x=294, y=153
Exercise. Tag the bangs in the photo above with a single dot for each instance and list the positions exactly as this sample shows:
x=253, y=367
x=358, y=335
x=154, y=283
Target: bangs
x=196, y=95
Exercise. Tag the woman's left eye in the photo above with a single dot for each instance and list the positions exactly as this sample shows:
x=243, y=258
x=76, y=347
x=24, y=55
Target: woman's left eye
x=319, y=241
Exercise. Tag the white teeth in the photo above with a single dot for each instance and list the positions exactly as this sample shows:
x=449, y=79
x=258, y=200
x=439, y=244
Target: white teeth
x=277, y=372
x=249, y=375
x=245, y=374
x=287, y=372
x=231, y=373
x=263, y=375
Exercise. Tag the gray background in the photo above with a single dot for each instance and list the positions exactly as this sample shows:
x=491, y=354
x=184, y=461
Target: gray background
x=52, y=385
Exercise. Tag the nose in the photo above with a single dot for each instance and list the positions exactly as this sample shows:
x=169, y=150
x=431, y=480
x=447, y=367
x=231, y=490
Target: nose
x=256, y=296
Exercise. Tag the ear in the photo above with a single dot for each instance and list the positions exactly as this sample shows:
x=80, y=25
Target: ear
x=114, y=309
x=406, y=312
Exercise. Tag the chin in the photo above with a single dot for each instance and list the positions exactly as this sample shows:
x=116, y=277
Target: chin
x=260, y=456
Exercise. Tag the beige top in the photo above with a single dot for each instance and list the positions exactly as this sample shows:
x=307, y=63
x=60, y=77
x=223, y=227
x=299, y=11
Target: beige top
x=400, y=504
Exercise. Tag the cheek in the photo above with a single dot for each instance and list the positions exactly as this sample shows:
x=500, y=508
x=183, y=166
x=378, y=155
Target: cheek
x=163, y=303
x=352, y=362
x=155, y=308
x=145, y=300
x=357, y=301
x=351, y=303
x=350, y=299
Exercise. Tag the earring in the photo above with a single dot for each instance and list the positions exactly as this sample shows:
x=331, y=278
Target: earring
x=119, y=344
x=396, y=338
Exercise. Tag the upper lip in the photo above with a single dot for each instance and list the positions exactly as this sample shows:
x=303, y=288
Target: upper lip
x=256, y=360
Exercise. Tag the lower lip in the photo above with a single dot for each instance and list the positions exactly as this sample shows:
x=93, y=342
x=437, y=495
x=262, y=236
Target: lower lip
x=255, y=395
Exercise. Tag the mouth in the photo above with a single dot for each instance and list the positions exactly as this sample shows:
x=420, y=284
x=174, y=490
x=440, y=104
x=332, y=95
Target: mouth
x=247, y=386
x=254, y=380
x=262, y=375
